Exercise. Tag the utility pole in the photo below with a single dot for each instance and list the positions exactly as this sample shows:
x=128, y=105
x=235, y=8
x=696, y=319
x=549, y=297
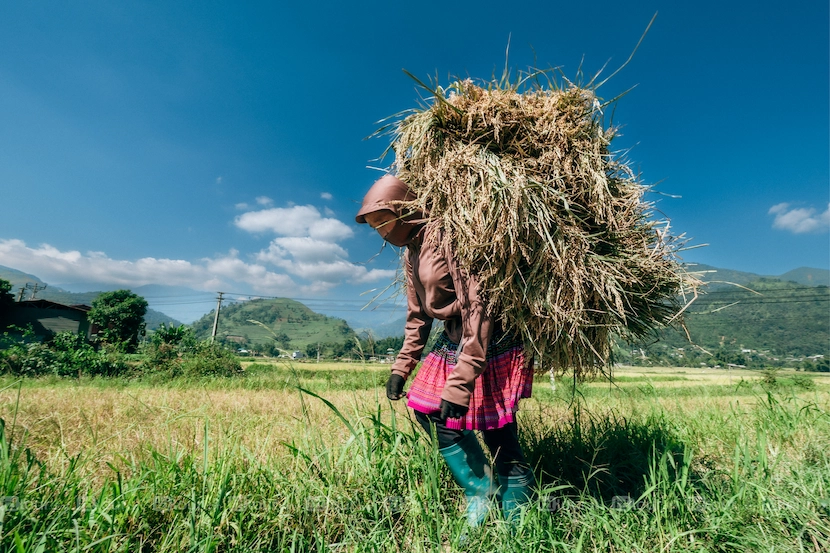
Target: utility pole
x=35, y=289
x=216, y=317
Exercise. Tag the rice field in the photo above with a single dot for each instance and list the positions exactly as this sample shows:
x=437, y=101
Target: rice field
x=312, y=457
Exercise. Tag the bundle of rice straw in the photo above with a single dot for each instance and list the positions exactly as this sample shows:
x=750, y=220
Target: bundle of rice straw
x=525, y=188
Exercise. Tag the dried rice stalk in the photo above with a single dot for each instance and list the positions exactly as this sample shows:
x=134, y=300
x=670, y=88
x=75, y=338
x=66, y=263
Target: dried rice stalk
x=525, y=188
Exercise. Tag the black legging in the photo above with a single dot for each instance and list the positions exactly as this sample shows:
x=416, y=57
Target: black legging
x=503, y=443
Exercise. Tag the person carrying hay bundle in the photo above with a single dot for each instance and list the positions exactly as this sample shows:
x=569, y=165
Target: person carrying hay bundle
x=528, y=236
x=475, y=374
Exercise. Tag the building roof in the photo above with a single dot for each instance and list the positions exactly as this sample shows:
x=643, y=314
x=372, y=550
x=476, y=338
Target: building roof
x=47, y=304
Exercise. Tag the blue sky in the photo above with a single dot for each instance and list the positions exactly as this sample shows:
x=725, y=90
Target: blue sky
x=222, y=147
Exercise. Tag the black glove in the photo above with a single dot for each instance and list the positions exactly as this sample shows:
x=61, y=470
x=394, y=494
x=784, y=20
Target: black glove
x=451, y=410
x=394, y=387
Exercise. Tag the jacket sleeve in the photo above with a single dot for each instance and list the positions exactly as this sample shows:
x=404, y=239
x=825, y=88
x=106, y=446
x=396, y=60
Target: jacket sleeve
x=416, y=330
x=476, y=328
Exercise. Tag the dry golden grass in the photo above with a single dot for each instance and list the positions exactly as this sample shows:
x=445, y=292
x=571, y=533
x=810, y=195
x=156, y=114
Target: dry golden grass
x=106, y=425
x=117, y=425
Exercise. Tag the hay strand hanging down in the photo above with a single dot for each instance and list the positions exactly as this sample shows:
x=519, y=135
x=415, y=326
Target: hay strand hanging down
x=526, y=189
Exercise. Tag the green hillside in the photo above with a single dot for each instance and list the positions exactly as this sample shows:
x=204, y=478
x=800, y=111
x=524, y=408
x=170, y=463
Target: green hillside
x=773, y=320
x=294, y=325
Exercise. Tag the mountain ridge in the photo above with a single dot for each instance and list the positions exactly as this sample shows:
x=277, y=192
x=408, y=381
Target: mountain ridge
x=285, y=323
x=718, y=281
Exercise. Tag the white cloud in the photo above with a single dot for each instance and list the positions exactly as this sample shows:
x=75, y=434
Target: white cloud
x=800, y=220
x=318, y=261
x=223, y=272
x=301, y=220
x=264, y=200
x=304, y=257
x=326, y=196
x=339, y=271
x=302, y=249
x=307, y=246
x=329, y=229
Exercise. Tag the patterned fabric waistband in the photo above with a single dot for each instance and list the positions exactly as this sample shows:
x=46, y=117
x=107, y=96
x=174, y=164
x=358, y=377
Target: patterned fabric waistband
x=447, y=349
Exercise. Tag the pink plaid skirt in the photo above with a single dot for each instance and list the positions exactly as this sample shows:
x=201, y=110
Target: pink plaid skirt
x=497, y=392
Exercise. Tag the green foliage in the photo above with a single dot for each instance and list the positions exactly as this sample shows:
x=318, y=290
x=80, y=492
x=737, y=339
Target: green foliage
x=803, y=382
x=173, y=335
x=770, y=323
x=120, y=318
x=819, y=365
x=782, y=317
x=6, y=297
x=174, y=351
x=209, y=359
x=66, y=354
x=170, y=352
x=769, y=377
x=284, y=323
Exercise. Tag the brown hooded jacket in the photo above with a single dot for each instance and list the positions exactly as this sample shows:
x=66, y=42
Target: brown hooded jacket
x=436, y=288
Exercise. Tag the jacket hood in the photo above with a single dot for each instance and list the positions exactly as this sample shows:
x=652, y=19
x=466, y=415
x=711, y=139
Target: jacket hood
x=386, y=194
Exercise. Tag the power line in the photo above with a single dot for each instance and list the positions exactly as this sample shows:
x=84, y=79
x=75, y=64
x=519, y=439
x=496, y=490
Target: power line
x=762, y=302
x=748, y=290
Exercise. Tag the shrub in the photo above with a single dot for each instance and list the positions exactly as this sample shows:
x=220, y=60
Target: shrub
x=803, y=382
x=210, y=359
x=66, y=354
x=176, y=352
x=769, y=377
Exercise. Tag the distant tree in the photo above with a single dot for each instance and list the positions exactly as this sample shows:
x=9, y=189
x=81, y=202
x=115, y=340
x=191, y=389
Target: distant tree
x=120, y=318
x=391, y=342
x=821, y=365
x=6, y=297
x=726, y=357
x=268, y=348
x=173, y=335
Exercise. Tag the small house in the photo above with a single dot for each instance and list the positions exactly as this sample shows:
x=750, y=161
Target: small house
x=47, y=318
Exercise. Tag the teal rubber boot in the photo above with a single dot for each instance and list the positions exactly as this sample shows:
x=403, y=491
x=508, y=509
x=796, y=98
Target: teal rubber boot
x=472, y=472
x=515, y=493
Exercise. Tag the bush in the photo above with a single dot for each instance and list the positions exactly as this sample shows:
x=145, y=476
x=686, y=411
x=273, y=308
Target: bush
x=176, y=352
x=66, y=354
x=803, y=382
x=170, y=351
x=209, y=359
x=769, y=377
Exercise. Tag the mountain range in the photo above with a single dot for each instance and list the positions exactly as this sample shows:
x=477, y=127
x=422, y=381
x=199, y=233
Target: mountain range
x=716, y=277
x=782, y=308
